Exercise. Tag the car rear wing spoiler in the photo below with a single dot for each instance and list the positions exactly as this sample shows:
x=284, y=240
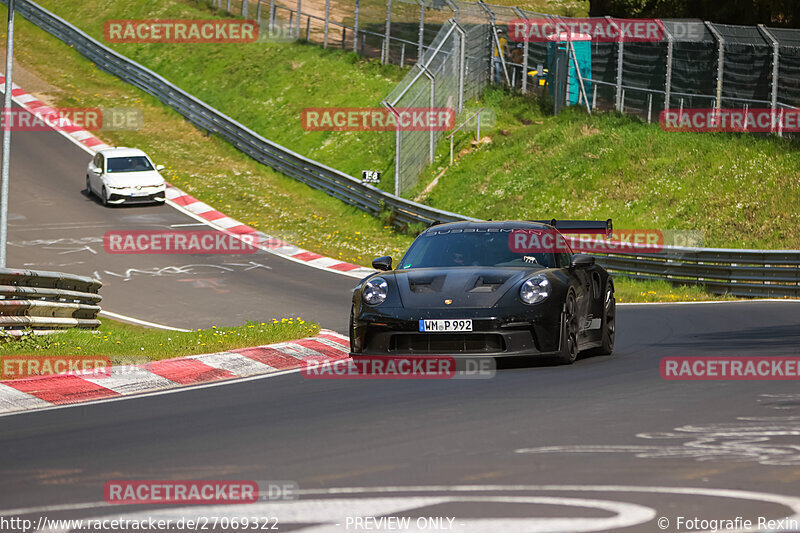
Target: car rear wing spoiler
x=600, y=227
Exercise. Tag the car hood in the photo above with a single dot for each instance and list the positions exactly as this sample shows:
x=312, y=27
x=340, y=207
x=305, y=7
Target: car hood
x=464, y=286
x=134, y=179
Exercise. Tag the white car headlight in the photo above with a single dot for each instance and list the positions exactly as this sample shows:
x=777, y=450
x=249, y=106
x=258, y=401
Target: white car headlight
x=375, y=291
x=535, y=290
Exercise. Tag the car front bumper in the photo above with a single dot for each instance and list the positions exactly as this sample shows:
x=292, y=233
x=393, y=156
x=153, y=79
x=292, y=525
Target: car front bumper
x=133, y=195
x=396, y=332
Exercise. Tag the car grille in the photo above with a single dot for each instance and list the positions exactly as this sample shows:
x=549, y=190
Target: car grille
x=447, y=343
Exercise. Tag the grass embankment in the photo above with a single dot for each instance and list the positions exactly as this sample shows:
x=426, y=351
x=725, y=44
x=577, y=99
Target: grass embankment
x=740, y=191
x=127, y=343
x=216, y=173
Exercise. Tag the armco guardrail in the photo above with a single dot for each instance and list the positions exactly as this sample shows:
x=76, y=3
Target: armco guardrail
x=42, y=300
x=740, y=272
x=333, y=182
x=759, y=273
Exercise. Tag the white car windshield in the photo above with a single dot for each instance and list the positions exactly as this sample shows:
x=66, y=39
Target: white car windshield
x=129, y=164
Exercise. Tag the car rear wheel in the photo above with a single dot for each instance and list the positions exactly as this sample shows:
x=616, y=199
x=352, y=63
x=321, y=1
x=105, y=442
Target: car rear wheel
x=569, y=332
x=609, y=322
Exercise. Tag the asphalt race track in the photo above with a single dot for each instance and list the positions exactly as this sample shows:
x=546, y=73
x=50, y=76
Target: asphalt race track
x=603, y=445
x=607, y=429
x=54, y=225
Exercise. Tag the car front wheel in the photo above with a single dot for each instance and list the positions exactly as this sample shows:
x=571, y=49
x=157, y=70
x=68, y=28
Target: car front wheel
x=104, y=196
x=569, y=332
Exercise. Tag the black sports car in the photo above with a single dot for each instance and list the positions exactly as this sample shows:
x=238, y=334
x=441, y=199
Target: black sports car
x=487, y=289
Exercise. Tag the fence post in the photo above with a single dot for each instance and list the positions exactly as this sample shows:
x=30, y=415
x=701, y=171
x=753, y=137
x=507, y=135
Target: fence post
x=355, y=30
x=432, y=142
x=387, y=33
x=245, y=8
x=524, y=88
x=496, y=43
x=327, y=18
x=229, y=6
x=454, y=8
x=720, y=62
x=299, y=7
x=462, y=64
x=421, y=29
x=397, y=141
x=668, y=83
x=775, y=64
x=272, y=16
x=258, y=13
x=620, y=55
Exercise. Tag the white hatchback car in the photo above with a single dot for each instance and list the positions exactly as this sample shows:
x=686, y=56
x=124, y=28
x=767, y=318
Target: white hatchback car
x=125, y=175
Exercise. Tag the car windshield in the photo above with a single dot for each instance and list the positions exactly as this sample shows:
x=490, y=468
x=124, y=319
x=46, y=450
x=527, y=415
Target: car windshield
x=138, y=163
x=453, y=248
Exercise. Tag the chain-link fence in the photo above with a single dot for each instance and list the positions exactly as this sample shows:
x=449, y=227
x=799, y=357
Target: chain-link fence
x=453, y=69
x=693, y=64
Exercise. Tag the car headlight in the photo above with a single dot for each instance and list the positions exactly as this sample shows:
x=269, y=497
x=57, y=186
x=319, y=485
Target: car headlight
x=375, y=291
x=534, y=290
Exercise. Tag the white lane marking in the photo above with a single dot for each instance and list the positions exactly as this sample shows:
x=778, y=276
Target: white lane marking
x=328, y=515
x=752, y=439
x=125, y=318
x=790, y=502
x=795, y=300
x=186, y=225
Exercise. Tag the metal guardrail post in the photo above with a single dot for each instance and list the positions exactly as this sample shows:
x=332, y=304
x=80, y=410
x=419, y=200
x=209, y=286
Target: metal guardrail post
x=776, y=49
x=355, y=29
x=720, y=62
x=668, y=82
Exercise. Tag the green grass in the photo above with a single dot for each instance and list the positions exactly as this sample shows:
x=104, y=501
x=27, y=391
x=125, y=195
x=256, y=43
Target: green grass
x=627, y=290
x=740, y=191
x=126, y=343
x=264, y=85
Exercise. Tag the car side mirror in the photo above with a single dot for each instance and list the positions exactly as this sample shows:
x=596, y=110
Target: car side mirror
x=97, y=171
x=581, y=261
x=159, y=167
x=382, y=263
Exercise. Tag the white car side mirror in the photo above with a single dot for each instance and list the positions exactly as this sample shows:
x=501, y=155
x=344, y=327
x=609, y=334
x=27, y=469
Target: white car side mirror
x=97, y=171
x=159, y=167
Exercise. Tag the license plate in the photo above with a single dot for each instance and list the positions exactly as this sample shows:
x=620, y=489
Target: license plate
x=434, y=326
